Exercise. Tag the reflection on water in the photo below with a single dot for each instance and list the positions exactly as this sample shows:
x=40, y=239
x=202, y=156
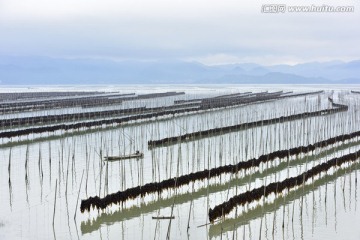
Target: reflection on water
x=286, y=201
x=10, y=193
x=122, y=214
x=322, y=209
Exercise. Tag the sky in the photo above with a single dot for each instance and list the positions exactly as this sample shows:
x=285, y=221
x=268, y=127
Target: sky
x=208, y=31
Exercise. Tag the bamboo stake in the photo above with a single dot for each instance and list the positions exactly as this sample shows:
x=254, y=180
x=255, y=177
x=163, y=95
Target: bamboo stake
x=50, y=161
x=54, y=204
x=9, y=166
x=67, y=175
x=77, y=201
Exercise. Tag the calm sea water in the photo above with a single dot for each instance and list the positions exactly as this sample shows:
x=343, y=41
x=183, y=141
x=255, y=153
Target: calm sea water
x=44, y=177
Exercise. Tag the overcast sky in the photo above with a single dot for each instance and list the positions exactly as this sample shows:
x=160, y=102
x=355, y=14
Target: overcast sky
x=209, y=31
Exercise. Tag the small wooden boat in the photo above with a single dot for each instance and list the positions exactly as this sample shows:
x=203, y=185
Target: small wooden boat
x=115, y=158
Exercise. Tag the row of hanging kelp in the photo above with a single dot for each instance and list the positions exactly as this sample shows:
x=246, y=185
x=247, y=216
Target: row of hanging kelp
x=149, y=114
x=103, y=99
x=23, y=121
x=278, y=187
x=157, y=187
x=237, y=127
x=14, y=96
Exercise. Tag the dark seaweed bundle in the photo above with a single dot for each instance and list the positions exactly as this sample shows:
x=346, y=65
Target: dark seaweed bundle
x=131, y=193
x=277, y=187
x=223, y=130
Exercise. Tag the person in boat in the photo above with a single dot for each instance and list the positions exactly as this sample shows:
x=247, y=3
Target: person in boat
x=137, y=152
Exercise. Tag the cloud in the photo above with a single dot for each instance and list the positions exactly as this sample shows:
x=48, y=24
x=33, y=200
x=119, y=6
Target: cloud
x=215, y=31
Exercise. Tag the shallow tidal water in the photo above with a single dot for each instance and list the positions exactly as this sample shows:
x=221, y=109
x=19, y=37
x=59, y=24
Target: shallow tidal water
x=44, y=177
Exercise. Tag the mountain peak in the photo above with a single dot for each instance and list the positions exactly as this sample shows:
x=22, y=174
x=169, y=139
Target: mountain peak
x=49, y=70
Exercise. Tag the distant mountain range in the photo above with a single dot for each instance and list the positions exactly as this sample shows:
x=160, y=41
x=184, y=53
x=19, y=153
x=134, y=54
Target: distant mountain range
x=46, y=70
